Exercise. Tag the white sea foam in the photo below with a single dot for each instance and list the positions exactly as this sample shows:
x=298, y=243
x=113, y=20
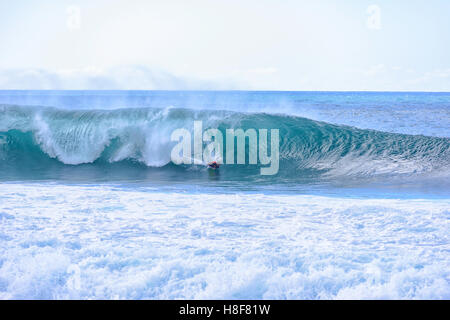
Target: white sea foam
x=110, y=242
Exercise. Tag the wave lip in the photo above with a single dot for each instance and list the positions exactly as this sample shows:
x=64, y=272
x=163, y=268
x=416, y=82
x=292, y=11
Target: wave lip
x=141, y=136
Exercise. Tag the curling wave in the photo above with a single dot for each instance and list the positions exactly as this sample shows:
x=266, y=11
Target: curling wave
x=141, y=137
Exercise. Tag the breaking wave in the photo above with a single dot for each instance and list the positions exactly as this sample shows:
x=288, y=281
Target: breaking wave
x=140, y=137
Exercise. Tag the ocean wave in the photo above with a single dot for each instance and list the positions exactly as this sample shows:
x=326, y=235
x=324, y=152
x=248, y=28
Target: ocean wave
x=141, y=137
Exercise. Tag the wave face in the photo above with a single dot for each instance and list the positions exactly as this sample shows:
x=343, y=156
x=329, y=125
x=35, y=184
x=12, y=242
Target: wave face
x=41, y=139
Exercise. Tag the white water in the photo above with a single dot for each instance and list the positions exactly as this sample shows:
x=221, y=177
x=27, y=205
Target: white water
x=108, y=242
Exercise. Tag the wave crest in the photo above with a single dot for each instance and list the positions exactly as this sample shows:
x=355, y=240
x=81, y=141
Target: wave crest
x=142, y=135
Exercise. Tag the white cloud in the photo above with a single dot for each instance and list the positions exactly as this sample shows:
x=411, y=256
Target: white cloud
x=119, y=78
x=442, y=75
x=378, y=77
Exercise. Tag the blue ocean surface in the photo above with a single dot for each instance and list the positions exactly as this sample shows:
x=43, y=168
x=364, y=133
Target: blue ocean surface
x=91, y=205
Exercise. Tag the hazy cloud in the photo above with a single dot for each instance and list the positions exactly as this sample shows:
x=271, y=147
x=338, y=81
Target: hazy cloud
x=119, y=78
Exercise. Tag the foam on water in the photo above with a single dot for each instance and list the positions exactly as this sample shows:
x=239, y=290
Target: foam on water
x=111, y=242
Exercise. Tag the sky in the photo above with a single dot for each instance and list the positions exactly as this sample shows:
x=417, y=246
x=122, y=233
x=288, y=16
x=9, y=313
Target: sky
x=352, y=45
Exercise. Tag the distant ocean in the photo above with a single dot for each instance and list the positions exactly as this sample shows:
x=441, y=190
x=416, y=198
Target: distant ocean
x=91, y=205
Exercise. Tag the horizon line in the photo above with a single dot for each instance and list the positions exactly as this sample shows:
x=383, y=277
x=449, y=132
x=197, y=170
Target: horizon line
x=223, y=90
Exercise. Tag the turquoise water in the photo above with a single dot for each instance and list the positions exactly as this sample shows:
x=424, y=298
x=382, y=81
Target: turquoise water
x=93, y=137
x=92, y=207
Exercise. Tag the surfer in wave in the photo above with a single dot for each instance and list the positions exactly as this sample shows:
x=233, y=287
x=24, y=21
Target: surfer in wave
x=213, y=165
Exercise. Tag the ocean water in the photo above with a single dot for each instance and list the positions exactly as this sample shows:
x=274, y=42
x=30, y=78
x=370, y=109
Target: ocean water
x=92, y=207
